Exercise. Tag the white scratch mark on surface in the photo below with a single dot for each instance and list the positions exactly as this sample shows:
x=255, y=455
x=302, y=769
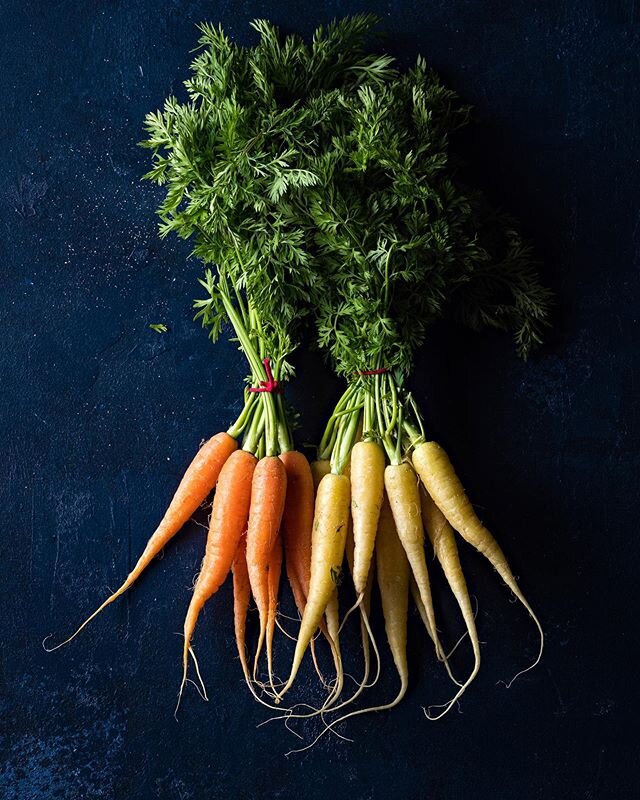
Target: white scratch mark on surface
x=55, y=569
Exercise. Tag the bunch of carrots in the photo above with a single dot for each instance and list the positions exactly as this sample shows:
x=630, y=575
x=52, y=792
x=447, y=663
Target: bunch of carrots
x=318, y=185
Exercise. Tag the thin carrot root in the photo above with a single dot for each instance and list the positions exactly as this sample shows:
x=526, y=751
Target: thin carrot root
x=443, y=485
x=417, y=599
x=197, y=483
x=275, y=566
x=444, y=544
x=363, y=603
x=301, y=601
x=365, y=610
x=332, y=618
x=403, y=493
x=241, y=597
x=316, y=665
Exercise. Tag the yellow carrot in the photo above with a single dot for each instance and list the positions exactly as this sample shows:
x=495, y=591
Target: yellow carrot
x=331, y=629
x=367, y=490
x=403, y=492
x=442, y=483
x=393, y=571
x=327, y=552
x=444, y=545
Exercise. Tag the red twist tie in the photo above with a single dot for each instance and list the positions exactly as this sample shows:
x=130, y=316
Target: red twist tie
x=380, y=371
x=271, y=385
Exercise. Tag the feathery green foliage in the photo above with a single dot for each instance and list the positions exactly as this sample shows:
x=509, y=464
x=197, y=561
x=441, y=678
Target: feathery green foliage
x=316, y=178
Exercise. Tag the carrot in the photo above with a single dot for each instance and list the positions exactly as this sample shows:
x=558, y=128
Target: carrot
x=273, y=582
x=404, y=498
x=241, y=597
x=392, y=567
x=440, y=480
x=367, y=490
x=332, y=622
x=268, y=492
x=229, y=515
x=365, y=609
x=297, y=522
x=443, y=540
x=415, y=593
x=319, y=469
x=327, y=552
x=393, y=574
x=194, y=488
x=331, y=628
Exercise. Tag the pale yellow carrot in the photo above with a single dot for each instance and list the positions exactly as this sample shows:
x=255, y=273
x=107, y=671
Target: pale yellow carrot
x=442, y=483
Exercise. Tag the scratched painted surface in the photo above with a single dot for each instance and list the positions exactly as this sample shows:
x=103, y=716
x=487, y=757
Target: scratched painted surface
x=99, y=416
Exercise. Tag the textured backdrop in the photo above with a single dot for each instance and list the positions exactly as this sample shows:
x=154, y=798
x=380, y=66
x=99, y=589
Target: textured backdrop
x=99, y=415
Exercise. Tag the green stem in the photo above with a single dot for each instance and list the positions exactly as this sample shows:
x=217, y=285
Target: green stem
x=253, y=436
x=327, y=442
x=368, y=417
x=398, y=453
x=347, y=432
x=415, y=436
x=257, y=368
x=245, y=415
x=285, y=439
x=381, y=411
x=394, y=406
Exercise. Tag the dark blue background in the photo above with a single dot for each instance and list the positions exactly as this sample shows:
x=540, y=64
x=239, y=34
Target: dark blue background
x=99, y=416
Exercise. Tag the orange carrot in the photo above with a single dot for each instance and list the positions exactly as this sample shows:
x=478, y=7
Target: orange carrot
x=297, y=522
x=241, y=597
x=273, y=581
x=194, y=488
x=268, y=492
x=229, y=516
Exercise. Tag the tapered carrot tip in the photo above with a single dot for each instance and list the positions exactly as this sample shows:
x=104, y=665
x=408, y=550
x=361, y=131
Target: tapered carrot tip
x=197, y=483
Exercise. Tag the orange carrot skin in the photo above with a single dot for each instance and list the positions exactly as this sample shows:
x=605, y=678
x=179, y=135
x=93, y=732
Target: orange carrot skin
x=275, y=571
x=297, y=520
x=268, y=492
x=241, y=597
x=196, y=485
x=229, y=516
x=273, y=582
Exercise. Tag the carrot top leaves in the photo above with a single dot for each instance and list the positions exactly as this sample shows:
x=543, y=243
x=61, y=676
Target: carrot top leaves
x=316, y=176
